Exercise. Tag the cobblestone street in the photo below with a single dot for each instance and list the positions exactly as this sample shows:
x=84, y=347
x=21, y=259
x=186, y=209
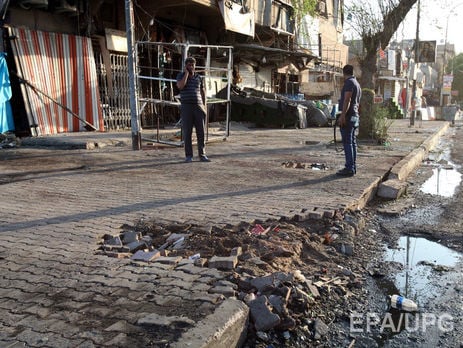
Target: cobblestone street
x=55, y=291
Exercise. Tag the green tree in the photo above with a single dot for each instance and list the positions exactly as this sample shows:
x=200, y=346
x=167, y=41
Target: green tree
x=304, y=7
x=455, y=67
x=375, y=22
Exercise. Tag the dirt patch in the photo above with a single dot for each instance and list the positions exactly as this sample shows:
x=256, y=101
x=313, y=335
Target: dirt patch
x=318, y=267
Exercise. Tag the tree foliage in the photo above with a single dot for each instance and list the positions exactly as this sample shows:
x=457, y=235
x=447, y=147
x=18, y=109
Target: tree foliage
x=455, y=66
x=304, y=7
x=376, y=22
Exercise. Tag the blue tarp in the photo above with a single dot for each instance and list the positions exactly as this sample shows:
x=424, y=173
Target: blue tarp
x=6, y=113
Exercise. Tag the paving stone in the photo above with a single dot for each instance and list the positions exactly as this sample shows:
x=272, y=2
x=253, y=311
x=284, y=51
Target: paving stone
x=94, y=335
x=190, y=268
x=135, y=246
x=122, y=326
x=12, y=344
x=146, y=256
x=114, y=241
x=89, y=214
x=128, y=237
x=213, y=273
x=167, y=260
x=41, y=312
x=329, y=214
x=227, y=291
x=33, y=338
x=86, y=344
x=163, y=320
x=198, y=286
x=226, y=283
x=316, y=215
x=118, y=255
x=225, y=263
x=120, y=340
x=213, y=298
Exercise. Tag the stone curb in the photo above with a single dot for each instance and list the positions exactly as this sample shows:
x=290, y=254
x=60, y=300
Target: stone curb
x=226, y=327
x=213, y=332
x=395, y=185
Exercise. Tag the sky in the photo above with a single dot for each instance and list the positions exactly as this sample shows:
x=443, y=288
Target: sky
x=434, y=16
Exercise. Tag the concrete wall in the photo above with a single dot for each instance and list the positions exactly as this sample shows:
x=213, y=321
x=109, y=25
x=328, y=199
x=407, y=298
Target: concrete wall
x=42, y=20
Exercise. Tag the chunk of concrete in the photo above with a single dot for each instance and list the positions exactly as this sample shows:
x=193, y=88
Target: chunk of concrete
x=114, y=241
x=218, y=262
x=392, y=189
x=130, y=237
x=146, y=256
x=169, y=260
x=262, y=315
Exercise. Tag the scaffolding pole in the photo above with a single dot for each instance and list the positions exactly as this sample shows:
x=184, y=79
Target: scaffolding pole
x=135, y=123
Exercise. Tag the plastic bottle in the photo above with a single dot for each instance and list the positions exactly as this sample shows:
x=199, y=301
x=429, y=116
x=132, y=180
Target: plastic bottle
x=402, y=303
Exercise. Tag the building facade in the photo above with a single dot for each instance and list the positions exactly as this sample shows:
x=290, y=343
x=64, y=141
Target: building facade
x=272, y=53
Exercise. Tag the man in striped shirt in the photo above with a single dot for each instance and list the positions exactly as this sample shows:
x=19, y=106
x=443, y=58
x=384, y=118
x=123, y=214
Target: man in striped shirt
x=192, y=109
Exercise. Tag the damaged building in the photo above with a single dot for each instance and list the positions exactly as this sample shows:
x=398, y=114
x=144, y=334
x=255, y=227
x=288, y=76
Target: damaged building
x=68, y=60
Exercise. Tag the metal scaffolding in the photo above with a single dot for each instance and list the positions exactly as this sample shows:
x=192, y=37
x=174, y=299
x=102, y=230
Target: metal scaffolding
x=157, y=66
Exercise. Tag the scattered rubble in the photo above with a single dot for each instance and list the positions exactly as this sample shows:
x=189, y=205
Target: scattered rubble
x=297, y=276
x=301, y=165
x=8, y=141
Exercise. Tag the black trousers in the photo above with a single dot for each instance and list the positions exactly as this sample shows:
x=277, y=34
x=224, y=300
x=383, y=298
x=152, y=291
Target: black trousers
x=193, y=115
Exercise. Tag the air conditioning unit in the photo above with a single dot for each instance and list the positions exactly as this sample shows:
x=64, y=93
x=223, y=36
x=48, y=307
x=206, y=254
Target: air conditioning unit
x=71, y=7
x=28, y=4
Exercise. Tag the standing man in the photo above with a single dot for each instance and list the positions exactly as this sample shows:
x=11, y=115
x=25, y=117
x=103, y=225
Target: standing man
x=349, y=119
x=192, y=109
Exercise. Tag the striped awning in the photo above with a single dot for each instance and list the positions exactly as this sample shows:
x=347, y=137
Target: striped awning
x=60, y=85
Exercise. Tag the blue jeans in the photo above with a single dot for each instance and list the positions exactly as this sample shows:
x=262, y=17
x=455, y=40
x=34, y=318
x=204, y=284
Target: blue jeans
x=349, y=142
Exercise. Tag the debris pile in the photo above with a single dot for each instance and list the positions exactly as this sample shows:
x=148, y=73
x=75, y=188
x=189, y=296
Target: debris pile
x=8, y=140
x=295, y=276
x=301, y=165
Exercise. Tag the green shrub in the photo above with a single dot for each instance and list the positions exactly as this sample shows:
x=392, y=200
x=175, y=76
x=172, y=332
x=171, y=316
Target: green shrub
x=381, y=124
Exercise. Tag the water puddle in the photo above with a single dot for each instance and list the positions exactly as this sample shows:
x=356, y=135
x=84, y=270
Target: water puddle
x=443, y=182
x=427, y=262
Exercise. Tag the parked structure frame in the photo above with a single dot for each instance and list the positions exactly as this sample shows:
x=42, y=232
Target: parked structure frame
x=152, y=84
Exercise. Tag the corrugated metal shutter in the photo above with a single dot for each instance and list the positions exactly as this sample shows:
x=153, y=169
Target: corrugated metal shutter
x=61, y=66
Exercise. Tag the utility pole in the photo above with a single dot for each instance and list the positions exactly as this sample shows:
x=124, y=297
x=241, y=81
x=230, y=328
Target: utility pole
x=417, y=40
x=135, y=123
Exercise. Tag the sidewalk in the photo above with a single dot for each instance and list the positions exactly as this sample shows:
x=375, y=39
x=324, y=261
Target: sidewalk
x=58, y=203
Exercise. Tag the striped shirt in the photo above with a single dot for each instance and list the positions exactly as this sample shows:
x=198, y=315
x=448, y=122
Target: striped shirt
x=191, y=93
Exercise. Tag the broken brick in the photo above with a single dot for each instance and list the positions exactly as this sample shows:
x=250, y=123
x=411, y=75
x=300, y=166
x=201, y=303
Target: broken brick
x=147, y=256
x=229, y=262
